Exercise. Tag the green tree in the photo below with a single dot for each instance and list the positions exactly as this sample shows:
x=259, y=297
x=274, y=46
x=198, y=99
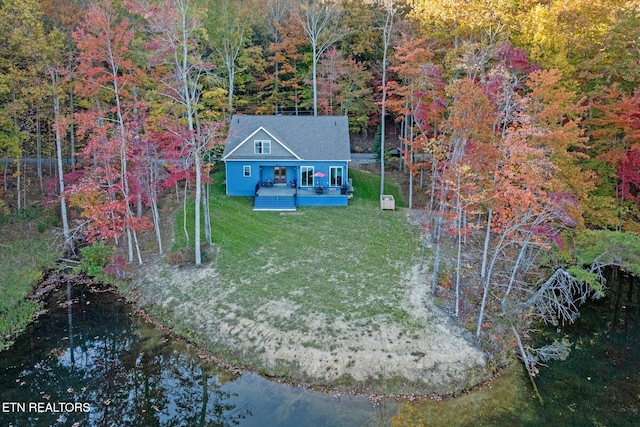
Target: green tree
x=23, y=88
x=321, y=23
x=229, y=30
x=179, y=71
x=289, y=64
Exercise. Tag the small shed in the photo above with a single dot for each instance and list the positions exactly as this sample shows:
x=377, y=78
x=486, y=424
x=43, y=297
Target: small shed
x=387, y=202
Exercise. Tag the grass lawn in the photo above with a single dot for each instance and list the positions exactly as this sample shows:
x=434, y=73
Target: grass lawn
x=335, y=261
x=25, y=252
x=324, y=296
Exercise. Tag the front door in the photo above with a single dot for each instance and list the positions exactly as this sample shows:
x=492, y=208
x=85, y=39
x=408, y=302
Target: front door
x=280, y=175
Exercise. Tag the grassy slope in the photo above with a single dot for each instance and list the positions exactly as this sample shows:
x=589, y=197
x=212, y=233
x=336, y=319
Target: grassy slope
x=25, y=252
x=335, y=261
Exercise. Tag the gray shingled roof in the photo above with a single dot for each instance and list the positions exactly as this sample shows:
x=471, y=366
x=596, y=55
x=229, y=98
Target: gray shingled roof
x=309, y=137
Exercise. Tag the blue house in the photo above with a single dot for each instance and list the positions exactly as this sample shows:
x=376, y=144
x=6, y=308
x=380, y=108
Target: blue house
x=288, y=161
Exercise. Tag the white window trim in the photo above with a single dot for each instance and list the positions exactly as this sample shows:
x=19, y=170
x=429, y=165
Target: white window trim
x=265, y=146
x=341, y=175
x=312, y=168
x=246, y=171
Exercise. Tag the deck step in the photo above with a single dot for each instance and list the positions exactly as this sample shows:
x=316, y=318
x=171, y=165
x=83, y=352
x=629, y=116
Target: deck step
x=274, y=203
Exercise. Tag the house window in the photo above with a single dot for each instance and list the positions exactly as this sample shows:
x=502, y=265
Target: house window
x=246, y=170
x=262, y=146
x=335, y=175
x=306, y=176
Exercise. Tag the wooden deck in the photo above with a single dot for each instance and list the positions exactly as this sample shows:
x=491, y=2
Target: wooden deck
x=276, y=190
x=285, y=191
x=286, y=198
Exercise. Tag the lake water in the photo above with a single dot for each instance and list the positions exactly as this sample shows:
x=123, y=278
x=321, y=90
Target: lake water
x=598, y=384
x=91, y=362
x=96, y=364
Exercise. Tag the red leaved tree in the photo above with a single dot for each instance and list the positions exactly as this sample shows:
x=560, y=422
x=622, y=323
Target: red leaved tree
x=179, y=71
x=419, y=84
x=616, y=140
x=107, y=76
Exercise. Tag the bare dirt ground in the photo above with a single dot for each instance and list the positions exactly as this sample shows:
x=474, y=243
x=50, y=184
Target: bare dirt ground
x=430, y=356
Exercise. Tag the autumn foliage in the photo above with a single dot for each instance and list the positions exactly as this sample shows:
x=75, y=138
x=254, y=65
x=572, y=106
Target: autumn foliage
x=517, y=123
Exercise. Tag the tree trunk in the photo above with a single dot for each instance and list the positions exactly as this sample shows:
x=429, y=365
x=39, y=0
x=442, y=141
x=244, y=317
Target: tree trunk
x=63, y=202
x=129, y=243
x=526, y=362
x=315, y=79
x=411, y=183
x=382, y=117
x=184, y=211
x=72, y=132
x=512, y=279
x=18, y=161
x=432, y=193
x=19, y=184
x=207, y=215
x=231, y=71
x=485, y=252
x=409, y=118
x=4, y=177
x=153, y=197
x=386, y=42
x=459, y=255
x=156, y=222
x=135, y=240
x=487, y=281
x=382, y=143
x=198, y=205
x=124, y=165
x=39, y=150
x=437, y=230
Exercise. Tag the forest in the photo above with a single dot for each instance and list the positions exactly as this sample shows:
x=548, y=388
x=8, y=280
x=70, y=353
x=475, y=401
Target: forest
x=517, y=124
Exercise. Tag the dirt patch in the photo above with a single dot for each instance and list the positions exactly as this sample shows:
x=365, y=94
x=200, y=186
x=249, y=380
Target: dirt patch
x=428, y=355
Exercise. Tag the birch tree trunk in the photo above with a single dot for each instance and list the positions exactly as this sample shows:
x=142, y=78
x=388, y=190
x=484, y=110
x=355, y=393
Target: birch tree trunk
x=39, y=149
x=207, y=215
x=485, y=252
x=387, y=31
x=68, y=245
x=320, y=22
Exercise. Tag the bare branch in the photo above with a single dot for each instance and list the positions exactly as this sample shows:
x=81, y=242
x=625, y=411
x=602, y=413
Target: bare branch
x=557, y=299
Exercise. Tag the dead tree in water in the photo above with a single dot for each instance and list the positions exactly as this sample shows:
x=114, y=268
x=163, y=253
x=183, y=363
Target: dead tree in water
x=555, y=301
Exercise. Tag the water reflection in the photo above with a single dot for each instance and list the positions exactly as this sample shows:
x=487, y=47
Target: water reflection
x=131, y=374
x=91, y=351
x=598, y=385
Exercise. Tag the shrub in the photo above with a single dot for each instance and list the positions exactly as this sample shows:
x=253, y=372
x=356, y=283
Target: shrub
x=116, y=267
x=28, y=213
x=187, y=256
x=94, y=259
x=182, y=257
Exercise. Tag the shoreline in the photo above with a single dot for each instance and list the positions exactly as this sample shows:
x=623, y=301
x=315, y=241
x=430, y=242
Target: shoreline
x=372, y=388
x=52, y=281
